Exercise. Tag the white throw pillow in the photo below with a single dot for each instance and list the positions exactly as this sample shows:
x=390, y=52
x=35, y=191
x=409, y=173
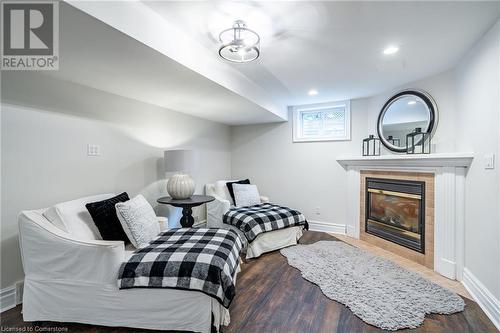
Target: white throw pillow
x=138, y=220
x=222, y=191
x=74, y=218
x=246, y=195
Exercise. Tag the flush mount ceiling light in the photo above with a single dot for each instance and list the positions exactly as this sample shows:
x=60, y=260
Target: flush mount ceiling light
x=239, y=44
x=312, y=92
x=391, y=50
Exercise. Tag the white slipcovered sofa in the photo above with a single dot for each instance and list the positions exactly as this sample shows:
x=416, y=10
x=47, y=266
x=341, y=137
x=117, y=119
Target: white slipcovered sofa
x=71, y=276
x=266, y=242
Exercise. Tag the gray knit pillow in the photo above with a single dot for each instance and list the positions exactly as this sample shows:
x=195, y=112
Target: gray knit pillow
x=246, y=195
x=138, y=220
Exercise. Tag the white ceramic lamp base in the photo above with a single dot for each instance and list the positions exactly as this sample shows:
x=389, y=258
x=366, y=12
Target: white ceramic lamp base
x=180, y=186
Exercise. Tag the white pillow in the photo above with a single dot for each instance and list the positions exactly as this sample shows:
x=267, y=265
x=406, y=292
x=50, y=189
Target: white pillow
x=74, y=218
x=246, y=195
x=222, y=191
x=138, y=220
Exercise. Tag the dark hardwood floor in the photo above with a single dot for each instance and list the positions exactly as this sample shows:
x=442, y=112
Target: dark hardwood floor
x=272, y=296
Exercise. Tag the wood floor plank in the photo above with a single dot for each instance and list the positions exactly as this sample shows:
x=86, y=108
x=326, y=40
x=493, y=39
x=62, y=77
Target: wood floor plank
x=272, y=296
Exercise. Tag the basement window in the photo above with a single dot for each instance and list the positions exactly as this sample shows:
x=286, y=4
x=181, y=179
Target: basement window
x=322, y=122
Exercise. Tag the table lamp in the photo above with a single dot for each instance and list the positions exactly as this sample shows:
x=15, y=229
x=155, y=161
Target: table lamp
x=180, y=161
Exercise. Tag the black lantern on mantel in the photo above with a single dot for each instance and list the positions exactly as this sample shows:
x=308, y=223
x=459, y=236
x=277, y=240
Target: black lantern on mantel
x=394, y=141
x=371, y=146
x=418, y=142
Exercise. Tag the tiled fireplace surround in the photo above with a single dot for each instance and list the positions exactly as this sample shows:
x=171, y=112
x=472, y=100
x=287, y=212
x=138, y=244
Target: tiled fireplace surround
x=427, y=258
x=444, y=175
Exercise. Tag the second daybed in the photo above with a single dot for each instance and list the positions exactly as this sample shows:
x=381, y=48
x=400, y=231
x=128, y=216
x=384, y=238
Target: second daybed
x=223, y=208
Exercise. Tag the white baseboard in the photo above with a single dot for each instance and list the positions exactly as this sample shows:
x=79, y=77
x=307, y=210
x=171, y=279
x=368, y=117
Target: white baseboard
x=19, y=292
x=11, y=296
x=488, y=303
x=327, y=227
x=8, y=298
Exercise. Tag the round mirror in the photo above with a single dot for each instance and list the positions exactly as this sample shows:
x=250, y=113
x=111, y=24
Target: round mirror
x=402, y=114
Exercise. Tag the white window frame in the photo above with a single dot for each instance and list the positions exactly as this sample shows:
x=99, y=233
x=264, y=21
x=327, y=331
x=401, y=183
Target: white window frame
x=297, y=110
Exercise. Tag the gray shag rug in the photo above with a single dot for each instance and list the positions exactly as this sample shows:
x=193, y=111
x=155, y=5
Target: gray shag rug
x=375, y=289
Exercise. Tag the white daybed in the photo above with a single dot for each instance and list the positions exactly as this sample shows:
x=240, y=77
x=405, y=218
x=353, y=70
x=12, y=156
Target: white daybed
x=71, y=276
x=266, y=242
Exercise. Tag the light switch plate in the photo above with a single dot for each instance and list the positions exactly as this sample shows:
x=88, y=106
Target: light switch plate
x=93, y=150
x=489, y=161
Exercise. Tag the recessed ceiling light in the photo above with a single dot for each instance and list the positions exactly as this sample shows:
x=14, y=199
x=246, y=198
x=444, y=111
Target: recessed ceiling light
x=412, y=102
x=312, y=92
x=391, y=50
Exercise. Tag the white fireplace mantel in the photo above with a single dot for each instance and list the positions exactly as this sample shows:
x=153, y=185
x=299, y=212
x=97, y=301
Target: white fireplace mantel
x=417, y=160
x=449, y=227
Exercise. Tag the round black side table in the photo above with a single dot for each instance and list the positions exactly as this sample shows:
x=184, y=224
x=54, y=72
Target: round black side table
x=187, y=219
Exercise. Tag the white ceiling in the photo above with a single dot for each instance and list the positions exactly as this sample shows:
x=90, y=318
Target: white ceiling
x=165, y=52
x=336, y=47
x=99, y=56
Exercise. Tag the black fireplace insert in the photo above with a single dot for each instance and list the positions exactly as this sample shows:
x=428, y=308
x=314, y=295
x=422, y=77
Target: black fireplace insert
x=395, y=211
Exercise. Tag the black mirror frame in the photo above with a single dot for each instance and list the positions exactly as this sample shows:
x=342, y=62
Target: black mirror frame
x=428, y=100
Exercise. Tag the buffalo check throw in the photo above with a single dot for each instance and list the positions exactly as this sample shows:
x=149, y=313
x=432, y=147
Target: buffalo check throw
x=254, y=220
x=204, y=259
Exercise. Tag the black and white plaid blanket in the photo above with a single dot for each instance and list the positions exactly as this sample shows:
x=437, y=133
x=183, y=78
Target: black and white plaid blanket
x=254, y=220
x=204, y=259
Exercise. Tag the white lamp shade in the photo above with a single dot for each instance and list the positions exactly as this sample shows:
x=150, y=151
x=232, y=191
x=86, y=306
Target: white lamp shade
x=179, y=160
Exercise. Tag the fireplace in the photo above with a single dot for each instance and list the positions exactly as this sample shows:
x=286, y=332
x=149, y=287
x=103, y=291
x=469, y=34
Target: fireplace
x=395, y=211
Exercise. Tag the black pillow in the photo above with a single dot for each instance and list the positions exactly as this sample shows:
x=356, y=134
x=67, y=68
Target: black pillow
x=104, y=215
x=230, y=186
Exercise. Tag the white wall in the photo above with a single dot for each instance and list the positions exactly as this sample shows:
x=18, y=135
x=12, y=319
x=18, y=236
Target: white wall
x=306, y=175
x=300, y=175
x=441, y=88
x=478, y=126
x=45, y=127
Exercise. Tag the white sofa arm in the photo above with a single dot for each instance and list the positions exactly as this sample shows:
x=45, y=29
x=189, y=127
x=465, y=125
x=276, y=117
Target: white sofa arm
x=264, y=199
x=163, y=222
x=49, y=253
x=215, y=210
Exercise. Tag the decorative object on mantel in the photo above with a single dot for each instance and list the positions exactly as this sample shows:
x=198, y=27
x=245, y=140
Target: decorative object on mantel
x=375, y=289
x=401, y=114
x=371, y=146
x=418, y=142
x=394, y=141
x=180, y=185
